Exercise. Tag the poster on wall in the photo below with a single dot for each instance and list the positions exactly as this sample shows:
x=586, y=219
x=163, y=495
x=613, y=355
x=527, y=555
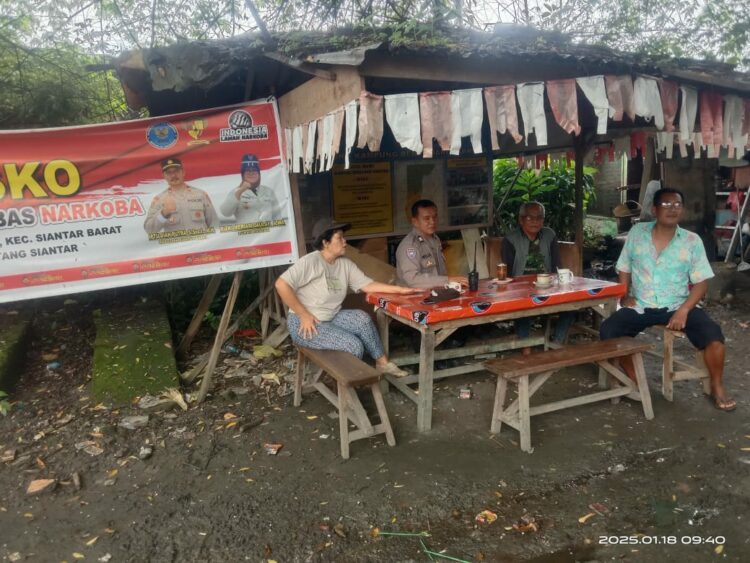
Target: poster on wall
x=101, y=206
x=415, y=180
x=362, y=197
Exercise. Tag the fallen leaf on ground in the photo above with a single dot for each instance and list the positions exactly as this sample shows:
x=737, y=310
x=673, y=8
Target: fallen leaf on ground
x=486, y=517
x=229, y=416
x=719, y=549
x=583, y=519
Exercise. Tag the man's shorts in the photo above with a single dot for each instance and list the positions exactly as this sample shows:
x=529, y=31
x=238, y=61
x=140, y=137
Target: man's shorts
x=699, y=328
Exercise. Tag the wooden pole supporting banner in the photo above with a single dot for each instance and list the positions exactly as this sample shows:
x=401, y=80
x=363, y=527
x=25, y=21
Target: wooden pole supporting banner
x=580, y=152
x=200, y=312
x=219, y=340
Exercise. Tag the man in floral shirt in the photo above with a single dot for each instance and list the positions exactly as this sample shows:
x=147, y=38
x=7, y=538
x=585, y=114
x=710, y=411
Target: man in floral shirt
x=666, y=272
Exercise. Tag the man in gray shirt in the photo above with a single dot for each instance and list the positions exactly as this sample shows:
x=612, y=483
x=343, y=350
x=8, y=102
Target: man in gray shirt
x=419, y=257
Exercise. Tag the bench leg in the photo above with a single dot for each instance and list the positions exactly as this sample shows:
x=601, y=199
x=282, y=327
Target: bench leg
x=497, y=412
x=383, y=322
x=640, y=377
x=343, y=419
x=424, y=399
x=523, y=413
x=667, y=368
x=383, y=413
x=701, y=363
x=298, y=379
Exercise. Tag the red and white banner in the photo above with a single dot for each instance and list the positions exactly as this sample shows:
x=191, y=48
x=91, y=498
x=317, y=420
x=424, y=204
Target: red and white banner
x=94, y=207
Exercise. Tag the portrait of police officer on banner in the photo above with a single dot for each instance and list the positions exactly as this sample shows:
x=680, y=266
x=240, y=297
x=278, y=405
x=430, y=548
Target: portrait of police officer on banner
x=251, y=201
x=180, y=206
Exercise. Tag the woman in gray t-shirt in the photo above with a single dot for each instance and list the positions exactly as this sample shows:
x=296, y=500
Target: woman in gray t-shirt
x=314, y=289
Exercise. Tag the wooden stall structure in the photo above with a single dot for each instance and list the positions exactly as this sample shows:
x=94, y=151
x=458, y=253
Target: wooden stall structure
x=317, y=77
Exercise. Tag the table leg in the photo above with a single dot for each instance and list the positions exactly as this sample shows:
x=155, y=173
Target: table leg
x=384, y=323
x=609, y=308
x=424, y=399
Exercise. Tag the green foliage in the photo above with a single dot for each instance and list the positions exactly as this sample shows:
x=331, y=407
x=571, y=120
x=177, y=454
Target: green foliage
x=182, y=298
x=4, y=404
x=554, y=187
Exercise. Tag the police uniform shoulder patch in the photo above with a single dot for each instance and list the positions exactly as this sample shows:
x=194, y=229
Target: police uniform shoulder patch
x=411, y=253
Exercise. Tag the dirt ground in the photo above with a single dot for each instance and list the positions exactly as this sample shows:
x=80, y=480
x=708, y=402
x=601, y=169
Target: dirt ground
x=602, y=484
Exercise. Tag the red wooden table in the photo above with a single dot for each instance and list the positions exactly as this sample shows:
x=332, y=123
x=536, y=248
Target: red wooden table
x=493, y=302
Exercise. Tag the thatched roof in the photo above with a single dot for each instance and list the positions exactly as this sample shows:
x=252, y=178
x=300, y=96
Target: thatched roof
x=210, y=73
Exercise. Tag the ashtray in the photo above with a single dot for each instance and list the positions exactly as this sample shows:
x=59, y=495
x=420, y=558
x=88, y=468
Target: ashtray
x=506, y=280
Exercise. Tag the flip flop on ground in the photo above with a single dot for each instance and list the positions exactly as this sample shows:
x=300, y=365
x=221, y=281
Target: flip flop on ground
x=723, y=404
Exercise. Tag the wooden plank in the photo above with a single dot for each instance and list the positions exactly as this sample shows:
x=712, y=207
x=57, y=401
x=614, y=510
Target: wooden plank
x=318, y=96
x=363, y=421
x=640, y=376
x=442, y=335
x=298, y=379
x=343, y=366
x=424, y=400
x=472, y=240
x=568, y=356
x=219, y=340
x=399, y=384
x=497, y=410
x=582, y=400
x=200, y=312
x=667, y=367
x=499, y=344
x=535, y=383
x=297, y=207
x=343, y=422
x=385, y=423
x=524, y=413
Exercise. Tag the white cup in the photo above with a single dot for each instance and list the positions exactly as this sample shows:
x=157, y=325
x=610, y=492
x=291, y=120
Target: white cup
x=564, y=276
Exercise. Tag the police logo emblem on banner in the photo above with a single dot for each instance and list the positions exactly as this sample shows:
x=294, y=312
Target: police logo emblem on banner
x=162, y=135
x=539, y=299
x=595, y=291
x=195, y=129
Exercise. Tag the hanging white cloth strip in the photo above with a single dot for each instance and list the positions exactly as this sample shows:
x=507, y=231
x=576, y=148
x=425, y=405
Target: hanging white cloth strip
x=402, y=115
x=502, y=113
x=326, y=158
x=648, y=100
x=338, y=123
x=370, y=121
x=620, y=96
x=734, y=116
x=596, y=93
x=468, y=111
x=288, y=147
x=531, y=101
x=436, y=121
x=310, y=147
x=351, y=129
x=297, y=153
x=665, y=142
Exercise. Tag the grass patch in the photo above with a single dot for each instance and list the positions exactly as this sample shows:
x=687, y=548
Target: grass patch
x=133, y=352
x=14, y=335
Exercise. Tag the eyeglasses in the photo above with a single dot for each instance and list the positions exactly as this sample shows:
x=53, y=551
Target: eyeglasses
x=534, y=217
x=670, y=204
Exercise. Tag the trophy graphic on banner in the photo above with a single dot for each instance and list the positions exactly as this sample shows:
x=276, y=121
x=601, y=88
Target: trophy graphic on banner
x=195, y=129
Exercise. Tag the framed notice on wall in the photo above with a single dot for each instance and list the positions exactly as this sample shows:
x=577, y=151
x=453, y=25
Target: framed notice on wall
x=362, y=197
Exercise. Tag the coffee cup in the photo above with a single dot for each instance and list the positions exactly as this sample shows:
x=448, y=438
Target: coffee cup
x=543, y=279
x=564, y=275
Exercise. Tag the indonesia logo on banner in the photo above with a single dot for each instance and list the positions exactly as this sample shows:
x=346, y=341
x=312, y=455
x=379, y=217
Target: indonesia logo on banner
x=100, y=206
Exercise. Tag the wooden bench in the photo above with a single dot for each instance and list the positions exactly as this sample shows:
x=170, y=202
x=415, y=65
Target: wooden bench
x=542, y=365
x=349, y=373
